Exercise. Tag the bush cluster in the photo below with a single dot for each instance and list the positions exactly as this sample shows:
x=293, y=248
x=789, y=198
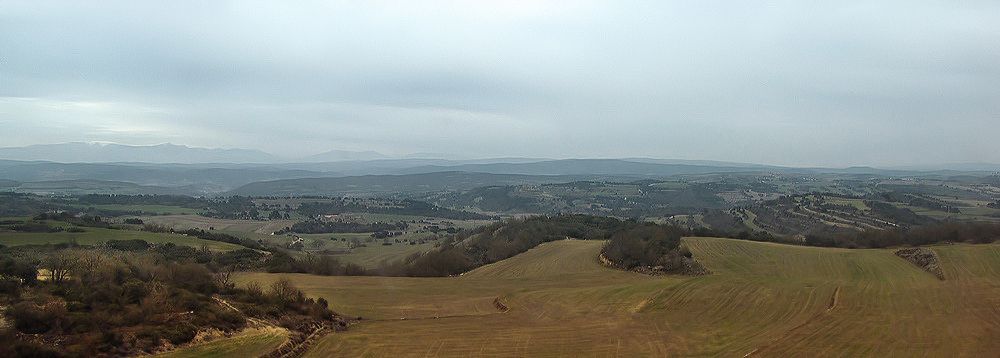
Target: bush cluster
x=109, y=302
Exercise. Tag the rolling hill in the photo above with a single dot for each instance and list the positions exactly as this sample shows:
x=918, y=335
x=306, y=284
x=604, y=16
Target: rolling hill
x=761, y=300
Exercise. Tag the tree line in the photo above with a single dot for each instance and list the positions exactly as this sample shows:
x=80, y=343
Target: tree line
x=939, y=232
x=491, y=243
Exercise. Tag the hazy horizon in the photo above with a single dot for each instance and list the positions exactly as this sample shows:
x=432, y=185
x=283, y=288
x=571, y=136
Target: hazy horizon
x=363, y=156
x=785, y=83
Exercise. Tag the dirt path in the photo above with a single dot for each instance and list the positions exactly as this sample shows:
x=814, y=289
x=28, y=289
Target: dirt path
x=299, y=344
x=251, y=319
x=296, y=345
x=834, y=301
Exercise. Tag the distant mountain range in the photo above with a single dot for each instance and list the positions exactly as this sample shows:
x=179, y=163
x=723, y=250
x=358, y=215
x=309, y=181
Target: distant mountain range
x=367, y=162
x=343, y=155
x=169, y=168
x=81, y=152
x=78, y=152
x=197, y=179
x=589, y=167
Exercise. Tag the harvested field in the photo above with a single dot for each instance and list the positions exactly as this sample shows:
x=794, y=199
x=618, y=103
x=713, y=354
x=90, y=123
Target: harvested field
x=768, y=299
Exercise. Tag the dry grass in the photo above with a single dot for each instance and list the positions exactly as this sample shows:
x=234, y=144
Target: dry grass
x=773, y=300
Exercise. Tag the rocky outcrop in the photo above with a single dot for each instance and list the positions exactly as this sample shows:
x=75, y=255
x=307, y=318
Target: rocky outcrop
x=924, y=258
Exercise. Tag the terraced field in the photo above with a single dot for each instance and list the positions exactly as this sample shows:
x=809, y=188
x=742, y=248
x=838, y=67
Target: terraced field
x=762, y=299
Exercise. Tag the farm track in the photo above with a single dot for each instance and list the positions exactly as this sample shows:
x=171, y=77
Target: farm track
x=297, y=347
x=293, y=347
x=260, y=338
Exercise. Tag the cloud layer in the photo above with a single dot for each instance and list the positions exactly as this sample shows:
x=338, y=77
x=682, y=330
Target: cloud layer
x=784, y=82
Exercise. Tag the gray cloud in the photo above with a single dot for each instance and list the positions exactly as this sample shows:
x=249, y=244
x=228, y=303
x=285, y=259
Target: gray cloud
x=782, y=82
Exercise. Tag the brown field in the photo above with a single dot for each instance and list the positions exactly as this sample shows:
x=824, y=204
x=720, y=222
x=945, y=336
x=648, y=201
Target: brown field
x=765, y=299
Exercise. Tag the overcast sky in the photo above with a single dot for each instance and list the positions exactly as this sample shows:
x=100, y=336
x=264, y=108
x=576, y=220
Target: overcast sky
x=831, y=83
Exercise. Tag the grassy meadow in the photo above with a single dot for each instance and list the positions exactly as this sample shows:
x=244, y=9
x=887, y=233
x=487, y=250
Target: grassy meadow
x=762, y=299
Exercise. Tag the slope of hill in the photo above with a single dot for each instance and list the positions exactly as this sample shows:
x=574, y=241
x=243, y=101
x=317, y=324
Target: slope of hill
x=762, y=300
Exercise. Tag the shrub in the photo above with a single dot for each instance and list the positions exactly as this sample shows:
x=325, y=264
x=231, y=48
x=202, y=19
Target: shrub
x=10, y=287
x=11, y=346
x=645, y=245
x=33, y=319
x=353, y=269
x=685, y=251
x=179, y=333
x=22, y=270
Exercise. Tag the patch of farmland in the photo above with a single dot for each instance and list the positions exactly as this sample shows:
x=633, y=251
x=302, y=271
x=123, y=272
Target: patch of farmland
x=184, y=222
x=375, y=253
x=93, y=236
x=146, y=209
